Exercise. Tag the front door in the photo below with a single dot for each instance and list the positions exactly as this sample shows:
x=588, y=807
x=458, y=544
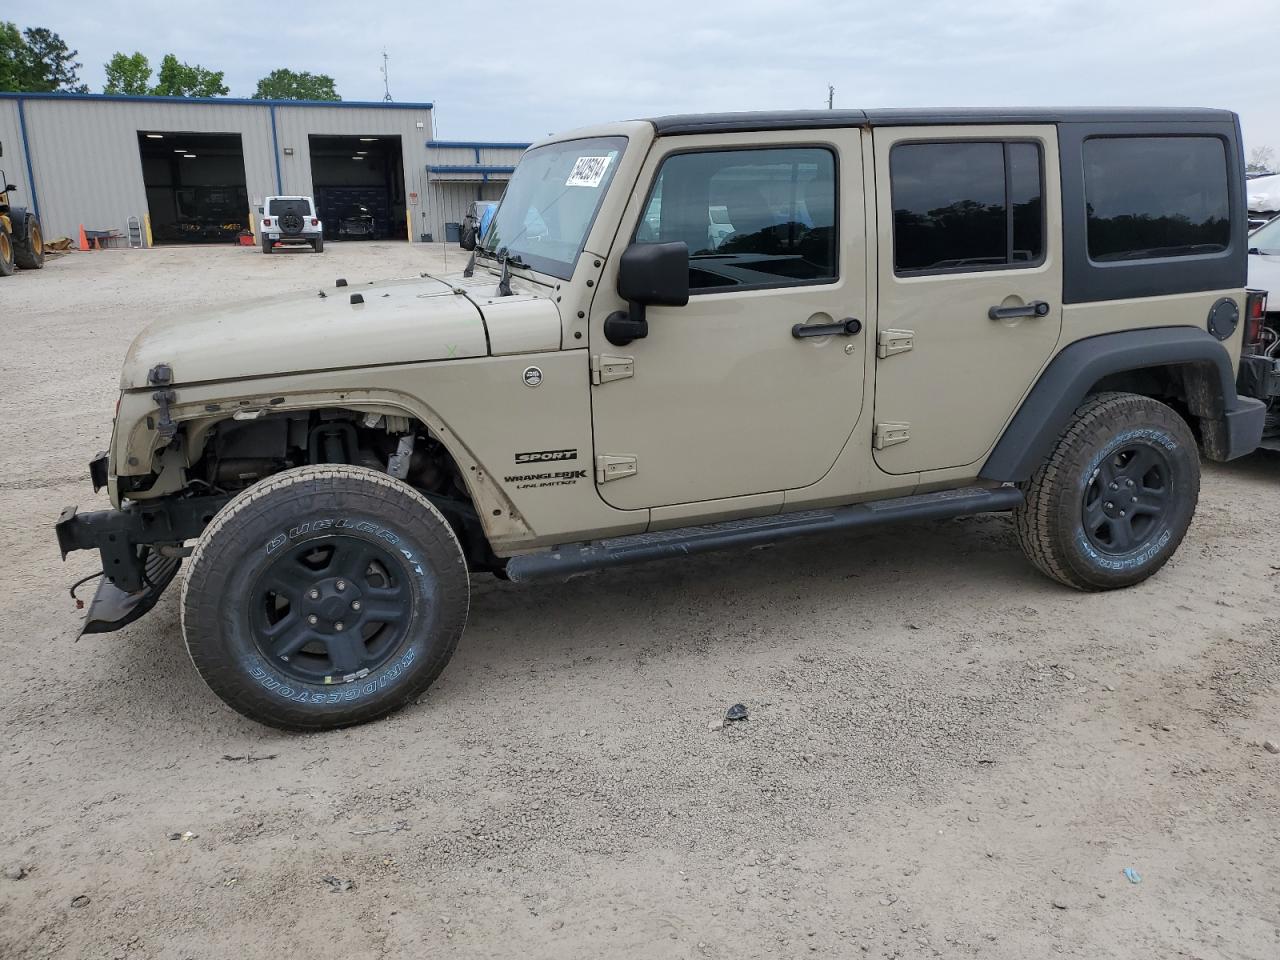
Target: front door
x=970, y=286
x=723, y=398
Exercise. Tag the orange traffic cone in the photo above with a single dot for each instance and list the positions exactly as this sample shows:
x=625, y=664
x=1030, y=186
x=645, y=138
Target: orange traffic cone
x=84, y=242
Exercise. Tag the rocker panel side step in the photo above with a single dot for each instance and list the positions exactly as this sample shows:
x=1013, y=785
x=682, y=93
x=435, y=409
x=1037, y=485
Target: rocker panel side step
x=565, y=561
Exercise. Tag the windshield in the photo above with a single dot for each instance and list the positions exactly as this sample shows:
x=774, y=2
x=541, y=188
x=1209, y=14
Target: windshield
x=551, y=202
x=1266, y=239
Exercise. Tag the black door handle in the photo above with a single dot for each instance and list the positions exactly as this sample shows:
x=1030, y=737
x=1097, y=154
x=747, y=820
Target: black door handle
x=849, y=327
x=1036, y=308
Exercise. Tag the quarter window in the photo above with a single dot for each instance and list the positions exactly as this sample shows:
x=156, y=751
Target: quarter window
x=1149, y=197
x=751, y=218
x=964, y=206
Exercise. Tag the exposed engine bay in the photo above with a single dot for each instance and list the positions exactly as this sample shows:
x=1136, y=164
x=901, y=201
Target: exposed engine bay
x=1259, y=375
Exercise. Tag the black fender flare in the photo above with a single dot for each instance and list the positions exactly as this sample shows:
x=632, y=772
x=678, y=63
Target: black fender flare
x=1231, y=425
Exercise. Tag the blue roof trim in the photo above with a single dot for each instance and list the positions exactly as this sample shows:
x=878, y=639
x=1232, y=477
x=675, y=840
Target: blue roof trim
x=470, y=144
x=227, y=101
x=466, y=168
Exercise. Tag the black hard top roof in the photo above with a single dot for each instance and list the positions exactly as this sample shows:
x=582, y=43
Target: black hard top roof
x=809, y=119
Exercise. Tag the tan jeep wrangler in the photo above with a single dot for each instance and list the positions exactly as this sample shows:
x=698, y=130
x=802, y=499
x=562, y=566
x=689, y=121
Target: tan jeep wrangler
x=685, y=334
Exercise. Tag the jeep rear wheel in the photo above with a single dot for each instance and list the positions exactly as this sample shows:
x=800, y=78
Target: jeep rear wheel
x=318, y=244
x=266, y=245
x=1113, y=501
x=324, y=596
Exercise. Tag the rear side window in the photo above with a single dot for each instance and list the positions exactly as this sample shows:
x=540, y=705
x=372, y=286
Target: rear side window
x=963, y=206
x=1150, y=197
x=751, y=218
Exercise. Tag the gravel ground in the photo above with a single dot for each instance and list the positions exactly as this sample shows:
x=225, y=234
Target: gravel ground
x=946, y=755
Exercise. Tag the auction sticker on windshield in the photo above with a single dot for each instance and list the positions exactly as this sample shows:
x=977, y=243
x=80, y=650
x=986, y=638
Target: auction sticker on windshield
x=588, y=172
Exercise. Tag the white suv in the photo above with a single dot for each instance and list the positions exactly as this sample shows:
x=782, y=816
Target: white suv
x=290, y=220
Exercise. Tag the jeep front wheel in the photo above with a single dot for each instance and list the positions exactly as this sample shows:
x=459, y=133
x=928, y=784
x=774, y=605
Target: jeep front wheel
x=324, y=596
x=1113, y=501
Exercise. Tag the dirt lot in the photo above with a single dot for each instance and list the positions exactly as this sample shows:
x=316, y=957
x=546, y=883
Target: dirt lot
x=947, y=755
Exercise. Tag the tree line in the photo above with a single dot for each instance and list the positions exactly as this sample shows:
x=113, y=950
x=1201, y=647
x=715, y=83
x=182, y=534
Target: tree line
x=37, y=60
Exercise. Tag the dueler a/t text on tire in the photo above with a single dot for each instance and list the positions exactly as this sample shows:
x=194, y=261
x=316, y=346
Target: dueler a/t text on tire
x=324, y=596
x=1114, y=499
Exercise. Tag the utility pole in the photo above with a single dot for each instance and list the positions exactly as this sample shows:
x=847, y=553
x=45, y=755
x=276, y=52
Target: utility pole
x=386, y=78
x=831, y=97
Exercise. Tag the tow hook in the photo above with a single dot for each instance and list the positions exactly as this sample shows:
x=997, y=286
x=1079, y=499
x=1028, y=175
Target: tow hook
x=161, y=375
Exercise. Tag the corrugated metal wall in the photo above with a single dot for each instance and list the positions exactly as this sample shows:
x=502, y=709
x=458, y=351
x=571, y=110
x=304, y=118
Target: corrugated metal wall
x=14, y=162
x=447, y=201
x=452, y=185
x=294, y=125
x=87, y=166
x=88, y=169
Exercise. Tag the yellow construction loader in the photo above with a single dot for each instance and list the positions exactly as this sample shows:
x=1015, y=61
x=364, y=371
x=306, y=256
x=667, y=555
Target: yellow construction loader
x=21, y=243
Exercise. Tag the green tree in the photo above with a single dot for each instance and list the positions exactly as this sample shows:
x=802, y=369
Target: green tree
x=12, y=52
x=287, y=84
x=176, y=79
x=127, y=74
x=37, y=61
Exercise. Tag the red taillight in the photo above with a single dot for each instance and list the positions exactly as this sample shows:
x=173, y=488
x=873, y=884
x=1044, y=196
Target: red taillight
x=266, y=221
x=315, y=222
x=1255, y=315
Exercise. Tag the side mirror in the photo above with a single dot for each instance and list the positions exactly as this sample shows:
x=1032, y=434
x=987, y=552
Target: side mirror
x=649, y=274
x=11, y=188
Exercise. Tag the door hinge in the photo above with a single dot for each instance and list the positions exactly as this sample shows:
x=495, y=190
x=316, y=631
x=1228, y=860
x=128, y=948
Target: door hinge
x=890, y=342
x=614, y=468
x=605, y=368
x=889, y=434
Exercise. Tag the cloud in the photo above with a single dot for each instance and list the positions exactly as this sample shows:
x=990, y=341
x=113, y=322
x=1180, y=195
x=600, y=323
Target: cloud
x=518, y=70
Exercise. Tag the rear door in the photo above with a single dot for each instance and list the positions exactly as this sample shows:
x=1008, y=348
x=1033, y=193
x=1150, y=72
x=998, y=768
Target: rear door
x=970, y=286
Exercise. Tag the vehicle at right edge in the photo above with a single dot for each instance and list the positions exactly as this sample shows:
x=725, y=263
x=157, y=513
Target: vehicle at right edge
x=1260, y=355
x=900, y=315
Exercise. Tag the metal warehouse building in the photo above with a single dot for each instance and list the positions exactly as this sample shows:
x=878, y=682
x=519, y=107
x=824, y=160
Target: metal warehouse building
x=196, y=170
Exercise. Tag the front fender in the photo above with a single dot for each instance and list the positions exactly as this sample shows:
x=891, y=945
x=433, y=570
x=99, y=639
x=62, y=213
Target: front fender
x=136, y=443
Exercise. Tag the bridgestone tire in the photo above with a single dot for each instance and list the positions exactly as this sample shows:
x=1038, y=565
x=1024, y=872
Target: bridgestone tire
x=1111, y=435
x=6, y=253
x=266, y=246
x=29, y=254
x=328, y=508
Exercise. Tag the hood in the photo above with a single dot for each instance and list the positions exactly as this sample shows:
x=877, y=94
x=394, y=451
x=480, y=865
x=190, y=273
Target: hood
x=1264, y=274
x=400, y=321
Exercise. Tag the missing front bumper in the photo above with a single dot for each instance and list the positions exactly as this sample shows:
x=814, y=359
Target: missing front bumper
x=111, y=608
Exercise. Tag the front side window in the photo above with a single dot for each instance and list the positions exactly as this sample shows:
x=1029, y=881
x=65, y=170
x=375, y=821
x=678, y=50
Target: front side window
x=1150, y=197
x=551, y=202
x=960, y=206
x=751, y=218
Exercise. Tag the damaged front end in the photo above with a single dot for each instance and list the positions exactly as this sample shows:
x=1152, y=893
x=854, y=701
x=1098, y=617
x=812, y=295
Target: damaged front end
x=141, y=546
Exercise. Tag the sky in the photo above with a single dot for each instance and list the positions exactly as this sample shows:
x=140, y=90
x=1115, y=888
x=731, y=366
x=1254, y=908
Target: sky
x=504, y=70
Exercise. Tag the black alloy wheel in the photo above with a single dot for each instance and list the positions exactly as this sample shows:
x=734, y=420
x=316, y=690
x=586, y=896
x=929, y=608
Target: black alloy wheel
x=330, y=609
x=1128, y=500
